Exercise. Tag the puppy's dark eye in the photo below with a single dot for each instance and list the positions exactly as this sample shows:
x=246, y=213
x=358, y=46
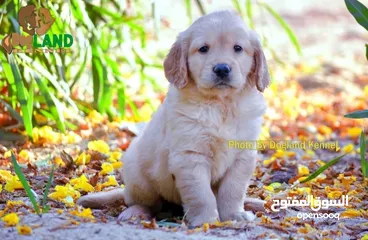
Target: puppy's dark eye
x=237, y=48
x=204, y=49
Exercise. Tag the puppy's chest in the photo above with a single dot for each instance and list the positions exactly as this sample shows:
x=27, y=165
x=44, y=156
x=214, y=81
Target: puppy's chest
x=220, y=126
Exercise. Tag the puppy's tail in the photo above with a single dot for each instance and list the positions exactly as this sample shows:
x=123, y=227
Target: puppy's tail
x=111, y=198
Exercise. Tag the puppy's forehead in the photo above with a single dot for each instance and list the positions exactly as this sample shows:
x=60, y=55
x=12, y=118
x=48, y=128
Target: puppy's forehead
x=223, y=26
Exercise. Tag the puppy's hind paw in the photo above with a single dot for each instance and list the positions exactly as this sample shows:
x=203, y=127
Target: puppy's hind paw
x=135, y=211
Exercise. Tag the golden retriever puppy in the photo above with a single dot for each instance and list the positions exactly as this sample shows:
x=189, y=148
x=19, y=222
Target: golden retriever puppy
x=217, y=71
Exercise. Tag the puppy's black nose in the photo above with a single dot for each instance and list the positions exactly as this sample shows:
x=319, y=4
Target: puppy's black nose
x=222, y=70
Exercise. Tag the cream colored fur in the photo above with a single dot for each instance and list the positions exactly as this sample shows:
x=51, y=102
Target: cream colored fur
x=182, y=155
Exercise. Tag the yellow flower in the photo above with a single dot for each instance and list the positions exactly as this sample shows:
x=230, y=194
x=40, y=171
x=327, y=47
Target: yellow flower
x=303, y=190
x=45, y=134
x=11, y=204
x=351, y=213
x=72, y=137
x=222, y=224
x=66, y=194
x=111, y=181
x=85, y=213
x=348, y=148
x=206, y=227
x=365, y=237
x=268, y=161
x=117, y=165
x=59, y=162
x=334, y=194
x=13, y=183
x=354, y=132
x=7, y=154
x=107, y=168
x=1, y=188
x=99, y=146
x=115, y=156
x=5, y=175
x=82, y=183
x=325, y=130
x=24, y=154
x=24, y=230
x=320, y=162
x=83, y=159
x=95, y=117
x=269, y=188
x=302, y=170
x=11, y=219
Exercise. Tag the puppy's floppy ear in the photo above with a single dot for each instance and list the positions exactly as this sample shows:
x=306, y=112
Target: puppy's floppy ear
x=175, y=64
x=258, y=74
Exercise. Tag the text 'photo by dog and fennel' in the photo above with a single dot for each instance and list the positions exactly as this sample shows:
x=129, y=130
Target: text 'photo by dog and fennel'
x=35, y=23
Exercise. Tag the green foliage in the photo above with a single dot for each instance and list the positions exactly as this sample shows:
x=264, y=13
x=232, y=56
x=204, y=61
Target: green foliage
x=362, y=155
x=23, y=180
x=285, y=26
x=108, y=45
x=323, y=168
x=360, y=13
x=30, y=193
x=45, y=208
x=357, y=114
x=109, y=48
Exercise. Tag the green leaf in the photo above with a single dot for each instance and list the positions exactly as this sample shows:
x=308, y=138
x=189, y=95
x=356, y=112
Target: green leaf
x=31, y=97
x=99, y=77
x=357, y=114
x=359, y=12
x=52, y=102
x=25, y=184
x=46, y=192
x=200, y=7
x=188, y=8
x=21, y=96
x=250, y=13
x=237, y=6
x=323, y=168
x=285, y=26
x=121, y=100
x=362, y=155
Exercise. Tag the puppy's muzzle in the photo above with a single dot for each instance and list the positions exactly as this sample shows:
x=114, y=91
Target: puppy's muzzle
x=222, y=72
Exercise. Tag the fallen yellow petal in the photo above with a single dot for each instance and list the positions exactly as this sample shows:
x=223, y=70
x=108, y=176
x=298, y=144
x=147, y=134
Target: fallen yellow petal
x=83, y=159
x=302, y=170
x=354, y=132
x=5, y=175
x=334, y=194
x=11, y=203
x=99, y=146
x=107, y=168
x=24, y=230
x=85, y=213
x=348, y=148
x=11, y=219
x=82, y=184
x=115, y=156
x=117, y=165
x=12, y=184
x=351, y=213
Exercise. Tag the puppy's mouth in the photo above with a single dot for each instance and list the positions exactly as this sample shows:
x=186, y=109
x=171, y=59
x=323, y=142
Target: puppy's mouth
x=222, y=84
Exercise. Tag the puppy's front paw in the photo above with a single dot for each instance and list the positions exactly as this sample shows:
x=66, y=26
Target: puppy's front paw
x=201, y=219
x=239, y=216
x=137, y=211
